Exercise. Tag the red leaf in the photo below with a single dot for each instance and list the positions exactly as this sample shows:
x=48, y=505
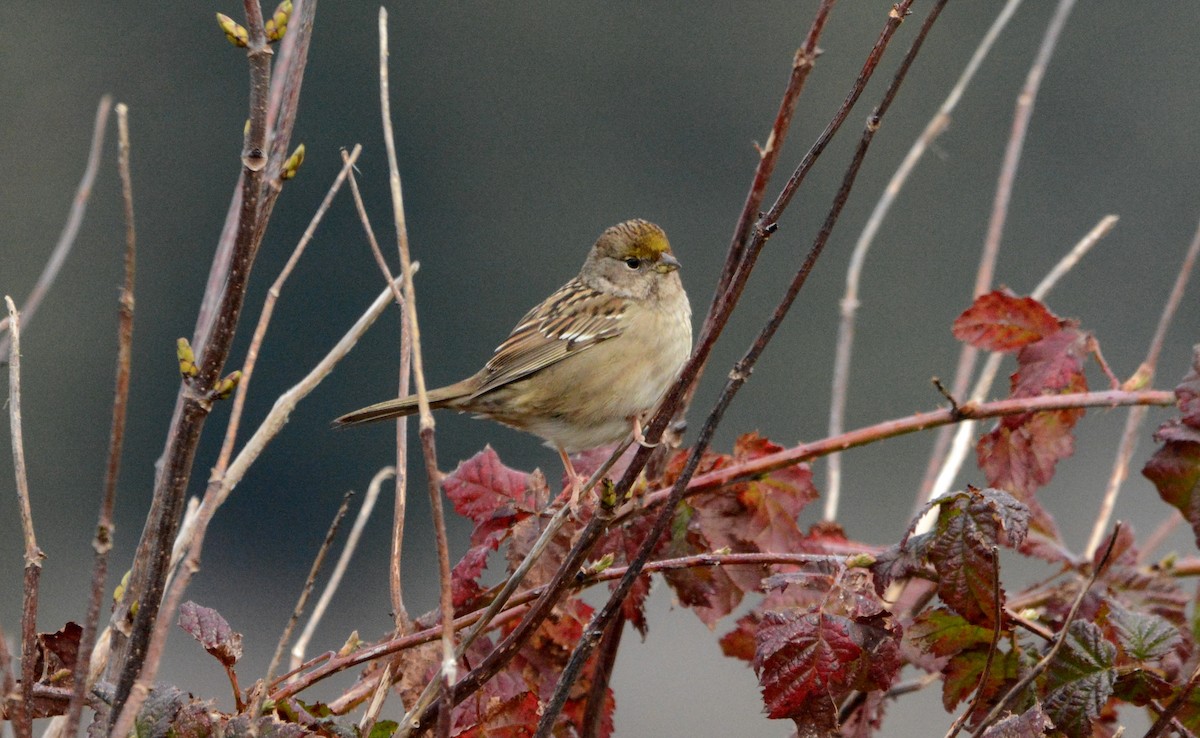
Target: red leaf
x=1001, y=321
x=1052, y=365
x=807, y=661
x=1175, y=471
x=490, y=494
x=1021, y=458
x=512, y=717
x=623, y=542
x=212, y=631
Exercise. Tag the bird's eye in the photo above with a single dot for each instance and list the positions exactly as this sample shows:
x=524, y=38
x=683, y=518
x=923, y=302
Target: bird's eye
x=633, y=262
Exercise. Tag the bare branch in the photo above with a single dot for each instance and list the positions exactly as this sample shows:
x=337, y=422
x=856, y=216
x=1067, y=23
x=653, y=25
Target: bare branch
x=102, y=543
x=66, y=240
x=309, y=583
x=400, y=502
x=23, y=722
x=449, y=665
x=850, y=303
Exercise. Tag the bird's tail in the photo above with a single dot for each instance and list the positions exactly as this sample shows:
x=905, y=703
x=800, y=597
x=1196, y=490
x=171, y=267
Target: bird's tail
x=398, y=408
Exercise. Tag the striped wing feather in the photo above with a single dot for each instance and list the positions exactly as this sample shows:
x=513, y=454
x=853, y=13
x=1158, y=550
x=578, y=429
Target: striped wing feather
x=573, y=319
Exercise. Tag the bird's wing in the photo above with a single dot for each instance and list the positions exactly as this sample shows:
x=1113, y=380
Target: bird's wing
x=573, y=319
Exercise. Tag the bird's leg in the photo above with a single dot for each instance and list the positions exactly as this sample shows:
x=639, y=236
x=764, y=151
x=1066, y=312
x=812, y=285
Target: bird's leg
x=574, y=481
x=638, y=436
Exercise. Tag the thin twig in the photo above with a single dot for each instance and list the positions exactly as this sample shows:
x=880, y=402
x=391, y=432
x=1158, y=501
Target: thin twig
x=998, y=598
x=400, y=502
x=1145, y=374
x=744, y=366
x=66, y=239
x=268, y=311
x=302, y=601
x=23, y=724
x=1167, y=716
x=102, y=543
x=339, y=569
x=850, y=303
x=968, y=355
x=1041, y=665
x=961, y=445
x=768, y=157
x=449, y=667
x=216, y=493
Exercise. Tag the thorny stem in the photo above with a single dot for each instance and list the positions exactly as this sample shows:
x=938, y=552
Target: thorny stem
x=428, y=447
x=23, y=723
x=1145, y=373
x=66, y=240
x=102, y=543
x=968, y=355
x=745, y=365
x=938, y=124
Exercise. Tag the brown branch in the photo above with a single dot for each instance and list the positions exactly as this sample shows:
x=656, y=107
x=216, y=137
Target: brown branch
x=327, y=665
x=102, y=543
x=1042, y=664
x=23, y=722
x=591, y=726
x=745, y=365
x=216, y=326
x=1145, y=373
x=968, y=355
x=339, y=569
x=66, y=239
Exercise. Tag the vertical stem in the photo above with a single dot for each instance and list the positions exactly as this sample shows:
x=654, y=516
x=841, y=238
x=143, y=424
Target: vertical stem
x=449, y=668
x=23, y=724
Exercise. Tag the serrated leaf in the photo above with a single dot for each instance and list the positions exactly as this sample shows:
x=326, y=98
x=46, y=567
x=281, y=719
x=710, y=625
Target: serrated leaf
x=158, y=712
x=1141, y=636
x=968, y=526
x=1030, y=724
x=1080, y=679
x=212, y=631
x=489, y=494
x=1140, y=686
x=1001, y=321
x=512, y=717
x=806, y=661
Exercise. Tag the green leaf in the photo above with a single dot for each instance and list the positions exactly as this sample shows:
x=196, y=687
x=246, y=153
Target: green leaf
x=1080, y=679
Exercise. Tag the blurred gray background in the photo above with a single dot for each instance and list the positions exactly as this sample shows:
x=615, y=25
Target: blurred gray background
x=523, y=131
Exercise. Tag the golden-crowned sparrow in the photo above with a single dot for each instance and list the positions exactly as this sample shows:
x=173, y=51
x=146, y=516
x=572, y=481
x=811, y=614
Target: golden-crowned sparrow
x=588, y=364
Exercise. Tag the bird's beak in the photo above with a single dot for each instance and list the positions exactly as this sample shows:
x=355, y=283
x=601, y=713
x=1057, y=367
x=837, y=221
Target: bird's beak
x=666, y=264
